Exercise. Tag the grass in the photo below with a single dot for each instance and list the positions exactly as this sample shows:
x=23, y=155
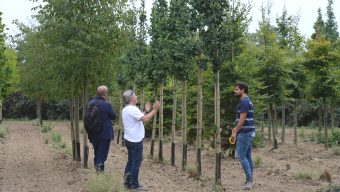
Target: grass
x=307, y=174
x=104, y=183
x=257, y=161
x=192, y=171
x=331, y=188
x=3, y=131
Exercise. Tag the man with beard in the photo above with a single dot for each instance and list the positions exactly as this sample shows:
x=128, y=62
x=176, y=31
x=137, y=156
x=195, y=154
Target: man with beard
x=244, y=132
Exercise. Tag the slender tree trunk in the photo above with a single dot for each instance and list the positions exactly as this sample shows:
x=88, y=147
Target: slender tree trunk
x=0, y=111
x=320, y=117
x=325, y=123
x=199, y=122
x=333, y=115
x=39, y=114
x=85, y=141
x=269, y=124
x=120, y=122
x=142, y=100
x=160, y=154
x=275, y=146
x=275, y=120
x=218, y=133
x=153, y=135
x=295, y=114
x=184, y=125
x=262, y=122
x=173, y=124
x=73, y=138
x=283, y=123
x=76, y=123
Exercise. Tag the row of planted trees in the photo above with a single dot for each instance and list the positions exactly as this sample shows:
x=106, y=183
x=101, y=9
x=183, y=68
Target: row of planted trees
x=200, y=46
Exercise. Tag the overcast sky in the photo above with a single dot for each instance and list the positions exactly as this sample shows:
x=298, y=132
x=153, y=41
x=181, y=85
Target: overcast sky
x=307, y=9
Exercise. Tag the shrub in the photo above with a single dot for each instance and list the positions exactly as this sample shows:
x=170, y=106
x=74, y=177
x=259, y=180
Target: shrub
x=56, y=137
x=192, y=171
x=330, y=188
x=45, y=128
x=306, y=174
x=334, y=138
x=258, y=140
x=257, y=161
x=318, y=137
x=104, y=183
x=301, y=133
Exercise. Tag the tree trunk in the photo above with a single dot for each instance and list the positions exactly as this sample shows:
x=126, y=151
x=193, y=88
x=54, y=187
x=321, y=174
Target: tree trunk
x=199, y=122
x=218, y=133
x=85, y=141
x=262, y=122
x=283, y=123
x=184, y=125
x=0, y=111
x=73, y=138
x=269, y=124
x=333, y=115
x=275, y=120
x=325, y=124
x=142, y=100
x=173, y=124
x=153, y=135
x=160, y=152
x=120, y=122
x=76, y=123
x=320, y=117
x=295, y=114
x=39, y=114
x=275, y=146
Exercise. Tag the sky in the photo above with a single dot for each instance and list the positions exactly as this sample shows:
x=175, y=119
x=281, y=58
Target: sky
x=307, y=9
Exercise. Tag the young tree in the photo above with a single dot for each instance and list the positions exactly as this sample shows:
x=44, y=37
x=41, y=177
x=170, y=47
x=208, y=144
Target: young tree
x=180, y=45
x=159, y=56
x=290, y=40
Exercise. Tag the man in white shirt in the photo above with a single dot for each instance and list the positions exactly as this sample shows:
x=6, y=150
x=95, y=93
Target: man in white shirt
x=134, y=134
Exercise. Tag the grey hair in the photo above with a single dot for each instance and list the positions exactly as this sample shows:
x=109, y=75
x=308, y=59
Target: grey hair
x=127, y=96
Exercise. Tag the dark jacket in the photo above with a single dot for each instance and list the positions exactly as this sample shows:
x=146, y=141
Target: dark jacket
x=107, y=116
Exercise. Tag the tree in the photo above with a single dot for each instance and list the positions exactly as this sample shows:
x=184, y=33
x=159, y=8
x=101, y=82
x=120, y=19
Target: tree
x=214, y=16
x=272, y=71
x=291, y=41
x=159, y=55
x=331, y=27
x=84, y=38
x=2, y=62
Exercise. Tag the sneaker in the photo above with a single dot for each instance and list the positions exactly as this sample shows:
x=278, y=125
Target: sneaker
x=139, y=188
x=248, y=185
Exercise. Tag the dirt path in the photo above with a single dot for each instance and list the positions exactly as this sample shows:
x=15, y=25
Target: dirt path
x=26, y=164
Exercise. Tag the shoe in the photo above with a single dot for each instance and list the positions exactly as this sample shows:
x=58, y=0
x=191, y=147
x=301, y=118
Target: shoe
x=100, y=168
x=127, y=183
x=248, y=185
x=139, y=188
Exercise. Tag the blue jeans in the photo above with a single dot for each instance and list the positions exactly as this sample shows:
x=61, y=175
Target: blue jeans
x=135, y=156
x=243, y=153
x=101, y=149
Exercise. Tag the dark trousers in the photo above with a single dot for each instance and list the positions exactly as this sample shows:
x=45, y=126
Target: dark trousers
x=135, y=156
x=101, y=149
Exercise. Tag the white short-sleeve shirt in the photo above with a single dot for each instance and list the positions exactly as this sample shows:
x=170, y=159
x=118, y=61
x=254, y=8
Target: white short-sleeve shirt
x=133, y=124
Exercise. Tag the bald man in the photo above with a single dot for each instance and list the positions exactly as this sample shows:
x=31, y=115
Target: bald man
x=101, y=141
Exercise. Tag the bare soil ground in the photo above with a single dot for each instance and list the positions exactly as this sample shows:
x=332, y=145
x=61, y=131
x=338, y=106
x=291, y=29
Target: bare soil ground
x=27, y=164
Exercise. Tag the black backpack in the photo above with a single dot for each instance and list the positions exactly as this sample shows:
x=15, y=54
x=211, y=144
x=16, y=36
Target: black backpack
x=92, y=119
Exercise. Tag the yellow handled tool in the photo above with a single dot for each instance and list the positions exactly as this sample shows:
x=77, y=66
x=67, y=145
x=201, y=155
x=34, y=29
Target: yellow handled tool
x=231, y=141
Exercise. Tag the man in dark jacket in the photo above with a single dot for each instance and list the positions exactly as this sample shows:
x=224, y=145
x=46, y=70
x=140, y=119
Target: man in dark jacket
x=101, y=141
